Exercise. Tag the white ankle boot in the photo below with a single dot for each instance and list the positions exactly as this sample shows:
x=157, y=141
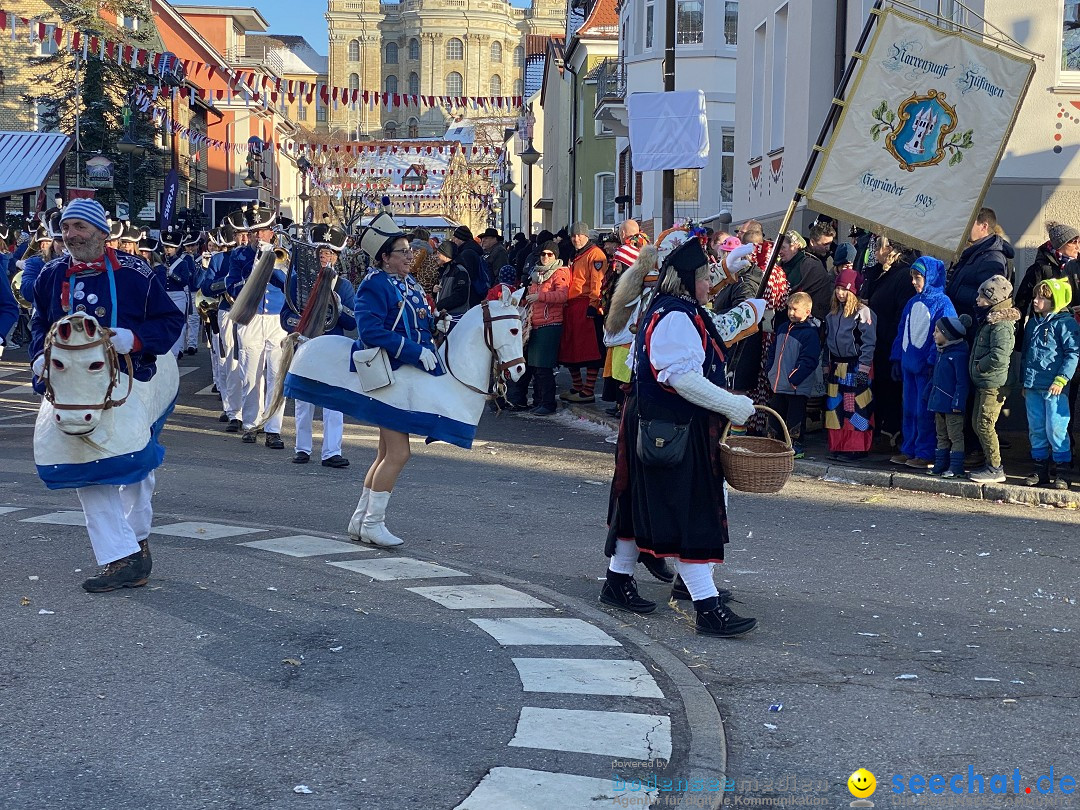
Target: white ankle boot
x=358, y=515
x=373, y=528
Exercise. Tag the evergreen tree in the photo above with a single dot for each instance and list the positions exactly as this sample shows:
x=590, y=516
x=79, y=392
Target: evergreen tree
x=102, y=90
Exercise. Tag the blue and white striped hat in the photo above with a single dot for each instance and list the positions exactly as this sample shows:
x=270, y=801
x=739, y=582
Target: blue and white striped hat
x=87, y=210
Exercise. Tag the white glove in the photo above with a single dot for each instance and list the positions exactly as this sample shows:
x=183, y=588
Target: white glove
x=428, y=359
x=444, y=323
x=696, y=389
x=123, y=340
x=21, y=264
x=38, y=366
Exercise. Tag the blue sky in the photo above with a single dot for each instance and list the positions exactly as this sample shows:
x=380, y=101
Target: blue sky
x=310, y=23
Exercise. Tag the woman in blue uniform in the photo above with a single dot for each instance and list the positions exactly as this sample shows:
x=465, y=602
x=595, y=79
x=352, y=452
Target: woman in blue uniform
x=393, y=313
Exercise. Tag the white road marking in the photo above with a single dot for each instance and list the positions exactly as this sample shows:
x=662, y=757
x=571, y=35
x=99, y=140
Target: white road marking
x=6, y=510
x=388, y=568
x=623, y=735
x=206, y=392
x=199, y=530
x=525, y=789
x=586, y=676
x=473, y=597
x=185, y=370
x=58, y=519
x=20, y=389
x=304, y=545
x=509, y=632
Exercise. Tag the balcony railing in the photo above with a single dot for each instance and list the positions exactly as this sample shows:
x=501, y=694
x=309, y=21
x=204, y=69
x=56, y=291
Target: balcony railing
x=610, y=82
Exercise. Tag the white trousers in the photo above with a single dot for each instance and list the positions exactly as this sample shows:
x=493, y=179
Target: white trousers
x=193, y=326
x=117, y=517
x=229, y=370
x=260, y=361
x=179, y=298
x=215, y=361
x=333, y=427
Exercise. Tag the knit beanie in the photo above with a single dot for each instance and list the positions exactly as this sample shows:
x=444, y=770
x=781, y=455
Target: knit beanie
x=954, y=328
x=627, y=254
x=89, y=211
x=996, y=289
x=579, y=229
x=845, y=254
x=848, y=280
x=1061, y=234
x=463, y=233
x=550, y=245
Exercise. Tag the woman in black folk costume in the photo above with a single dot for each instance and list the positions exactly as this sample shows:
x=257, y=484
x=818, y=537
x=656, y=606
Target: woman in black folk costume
x=680, y=511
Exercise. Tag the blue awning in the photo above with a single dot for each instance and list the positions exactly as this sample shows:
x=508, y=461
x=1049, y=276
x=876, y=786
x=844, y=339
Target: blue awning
x=29, y=159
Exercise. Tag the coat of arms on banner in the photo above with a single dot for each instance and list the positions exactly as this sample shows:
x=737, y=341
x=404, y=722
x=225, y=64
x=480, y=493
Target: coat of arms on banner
x=920, y=132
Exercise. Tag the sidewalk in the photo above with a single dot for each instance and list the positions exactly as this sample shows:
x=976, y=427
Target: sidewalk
x=877, y=471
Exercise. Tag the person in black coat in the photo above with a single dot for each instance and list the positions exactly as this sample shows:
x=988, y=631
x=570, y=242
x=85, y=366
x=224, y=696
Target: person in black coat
x=886, y=290
x=1054, y=259
x=747, y=357
x=987, y=255
x=805, y=273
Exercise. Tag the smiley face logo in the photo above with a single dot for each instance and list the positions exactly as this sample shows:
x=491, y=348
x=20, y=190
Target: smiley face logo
x=862, y=784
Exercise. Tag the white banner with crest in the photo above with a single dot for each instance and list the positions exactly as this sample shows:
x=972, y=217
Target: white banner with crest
x=917, y=144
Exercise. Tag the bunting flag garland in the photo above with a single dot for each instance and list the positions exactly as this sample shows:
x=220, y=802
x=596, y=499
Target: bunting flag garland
x=250, y=85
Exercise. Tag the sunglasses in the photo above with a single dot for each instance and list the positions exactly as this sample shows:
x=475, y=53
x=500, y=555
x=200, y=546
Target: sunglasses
x=546, y=253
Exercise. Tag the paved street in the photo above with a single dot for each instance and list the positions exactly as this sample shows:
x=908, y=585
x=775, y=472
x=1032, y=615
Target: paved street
x=265, y=656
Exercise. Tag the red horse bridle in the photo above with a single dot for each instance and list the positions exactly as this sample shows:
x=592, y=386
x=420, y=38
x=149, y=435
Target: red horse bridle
x=61, y=330
x=498, y=386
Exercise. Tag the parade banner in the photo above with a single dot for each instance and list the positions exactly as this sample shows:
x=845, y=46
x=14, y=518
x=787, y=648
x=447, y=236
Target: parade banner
x=168, y=205
x=923, y=129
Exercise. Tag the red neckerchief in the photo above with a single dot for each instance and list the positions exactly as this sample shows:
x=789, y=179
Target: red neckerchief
x=84, y=267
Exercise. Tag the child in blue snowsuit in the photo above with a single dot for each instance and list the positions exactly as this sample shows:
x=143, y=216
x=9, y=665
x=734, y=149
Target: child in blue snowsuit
x=913, y=355
x=1050, y=357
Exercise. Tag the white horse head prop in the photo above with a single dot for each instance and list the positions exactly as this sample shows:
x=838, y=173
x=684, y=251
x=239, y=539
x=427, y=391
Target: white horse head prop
x=503, y=332
x=81, y=372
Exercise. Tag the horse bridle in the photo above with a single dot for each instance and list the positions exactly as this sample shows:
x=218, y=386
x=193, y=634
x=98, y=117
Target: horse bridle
x=111, y=357
x=498, y=385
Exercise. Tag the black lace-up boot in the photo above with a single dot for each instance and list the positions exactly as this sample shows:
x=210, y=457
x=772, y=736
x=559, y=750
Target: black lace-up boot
x=620, y=591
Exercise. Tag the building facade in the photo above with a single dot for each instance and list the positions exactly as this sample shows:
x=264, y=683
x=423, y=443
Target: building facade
x=428, y=48
x=706, y=35
x=789, y=78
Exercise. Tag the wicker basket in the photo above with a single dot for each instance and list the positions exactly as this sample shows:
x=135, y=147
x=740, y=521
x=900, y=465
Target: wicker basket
x=755, y=463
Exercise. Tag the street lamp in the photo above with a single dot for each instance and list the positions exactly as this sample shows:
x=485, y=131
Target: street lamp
x=507, y=186
x=529, y=157
x=131, y=148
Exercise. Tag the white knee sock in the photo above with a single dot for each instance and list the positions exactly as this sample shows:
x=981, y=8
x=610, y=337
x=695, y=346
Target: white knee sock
x=698, y=579
x=624, y=560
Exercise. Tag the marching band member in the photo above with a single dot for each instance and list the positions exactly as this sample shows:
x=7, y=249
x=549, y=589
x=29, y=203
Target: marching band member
x=150, y=251
x=189, y=244
x=260, y=349
x=123, y=293
x=40, y=251
x=224, y=349
x=330, y=241
x=392, y=312
x=129, y=239
x=178, y=272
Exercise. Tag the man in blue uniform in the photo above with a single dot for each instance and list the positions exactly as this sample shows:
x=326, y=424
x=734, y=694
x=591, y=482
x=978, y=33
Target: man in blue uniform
x=331, y=241
x=189, y=245
x=123, y=293
x=259, y=341
x=215, y=285
x=179, y=269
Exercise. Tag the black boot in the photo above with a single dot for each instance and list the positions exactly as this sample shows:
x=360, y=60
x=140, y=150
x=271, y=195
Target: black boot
x=620, y=591
x=680, y=591
x=716, y=619
x=132, y=571
x=1054, y=479
x=1040, y=476
x=544, y=392
x=657, y=566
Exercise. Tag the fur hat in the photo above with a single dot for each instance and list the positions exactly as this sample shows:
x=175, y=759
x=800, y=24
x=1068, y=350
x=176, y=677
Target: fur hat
x=378, y=232
x=996, y=289
x=954, y=328
x=1061, y=234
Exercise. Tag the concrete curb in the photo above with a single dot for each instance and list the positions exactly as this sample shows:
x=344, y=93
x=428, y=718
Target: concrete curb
x=853, y=474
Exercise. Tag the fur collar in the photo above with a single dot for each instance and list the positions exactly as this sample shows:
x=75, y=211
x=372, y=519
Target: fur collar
x=1007, y=314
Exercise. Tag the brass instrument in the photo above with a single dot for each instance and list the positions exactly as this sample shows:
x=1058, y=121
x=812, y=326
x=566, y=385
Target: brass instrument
x=16, y=289
x=305, y=267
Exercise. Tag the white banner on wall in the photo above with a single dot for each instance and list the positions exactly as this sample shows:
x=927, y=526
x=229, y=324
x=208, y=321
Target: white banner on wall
x=925, y=124
x=668, y=130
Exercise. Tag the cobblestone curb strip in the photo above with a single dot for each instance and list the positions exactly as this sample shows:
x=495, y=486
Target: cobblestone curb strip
x=959, y=488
